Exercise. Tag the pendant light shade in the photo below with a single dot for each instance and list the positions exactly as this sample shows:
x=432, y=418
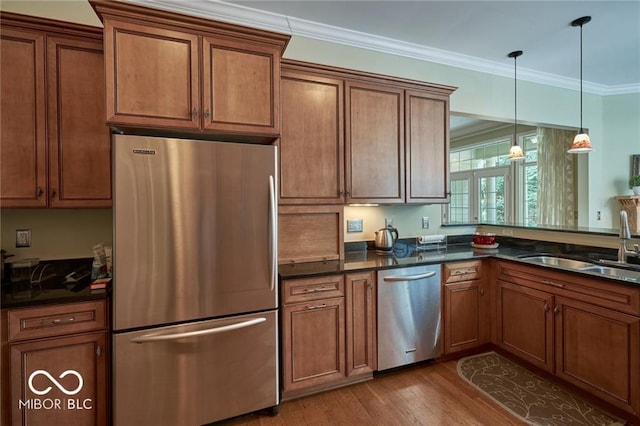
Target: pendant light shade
x=515, y=153
x=582, y=142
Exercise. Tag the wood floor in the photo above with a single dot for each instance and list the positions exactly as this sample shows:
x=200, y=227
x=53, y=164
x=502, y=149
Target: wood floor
x=431, y=394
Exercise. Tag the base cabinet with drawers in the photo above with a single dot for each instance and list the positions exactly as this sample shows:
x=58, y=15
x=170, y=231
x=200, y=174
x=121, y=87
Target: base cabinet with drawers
x=465, y=306
x=328, y=332
x=583, y=330
x=56, y=359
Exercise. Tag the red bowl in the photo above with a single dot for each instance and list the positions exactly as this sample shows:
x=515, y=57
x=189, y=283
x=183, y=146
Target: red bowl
x=484, y=238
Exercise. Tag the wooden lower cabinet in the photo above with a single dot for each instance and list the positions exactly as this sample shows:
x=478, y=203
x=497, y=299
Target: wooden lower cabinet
x=361, y=323
x=328, y=332
x=585, y=331
x=597, y=349
x=42, y=392
x=465, y=307
x=526, y=323
x=56, y=357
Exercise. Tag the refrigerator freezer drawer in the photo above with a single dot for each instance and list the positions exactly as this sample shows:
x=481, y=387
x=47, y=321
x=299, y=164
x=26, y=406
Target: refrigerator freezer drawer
x=196, y=373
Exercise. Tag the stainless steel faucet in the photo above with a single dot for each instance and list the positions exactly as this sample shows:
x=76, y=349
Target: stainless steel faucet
x=625, y=235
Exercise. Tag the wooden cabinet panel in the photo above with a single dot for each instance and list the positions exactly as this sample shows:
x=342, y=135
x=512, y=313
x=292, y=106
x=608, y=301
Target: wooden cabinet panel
x=525, y=323
x=82, y=354
x=241, y=83
x=374, y=143
x=427, y=141
x=152, y=76
x=307, y=234
x=598, y=350
x=314, y=288
x=312, y=139
x=361, y=323
x=465, y=321
x=313, y=346
x=79, y=140
x=22, y=119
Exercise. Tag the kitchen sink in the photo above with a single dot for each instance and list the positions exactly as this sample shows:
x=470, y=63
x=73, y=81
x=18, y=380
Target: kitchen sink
x=558, y=261
x=623, y=274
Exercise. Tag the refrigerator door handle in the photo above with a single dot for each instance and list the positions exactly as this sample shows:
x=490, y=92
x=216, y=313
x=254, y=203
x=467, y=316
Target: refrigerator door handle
x=162, y=337
x=410, y=277
x=273, y=220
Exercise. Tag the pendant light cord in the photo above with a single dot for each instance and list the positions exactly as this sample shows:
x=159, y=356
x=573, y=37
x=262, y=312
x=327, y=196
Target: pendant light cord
x=581, y=129
x=515, y=101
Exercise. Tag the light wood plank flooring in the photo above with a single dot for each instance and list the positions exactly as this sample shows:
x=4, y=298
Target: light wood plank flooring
x=430, y=394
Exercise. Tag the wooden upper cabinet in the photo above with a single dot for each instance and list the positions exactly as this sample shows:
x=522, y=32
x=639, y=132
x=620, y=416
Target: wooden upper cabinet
x=23, y=156
x=427, y=141
x=79, y=140
x=241, y=83
x=177, y=72
x=312, y=140
x=56, y=148
x=374, y=143
x=152, y=76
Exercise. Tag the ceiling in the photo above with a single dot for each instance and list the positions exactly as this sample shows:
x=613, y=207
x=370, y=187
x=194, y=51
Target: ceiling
x=486, y=31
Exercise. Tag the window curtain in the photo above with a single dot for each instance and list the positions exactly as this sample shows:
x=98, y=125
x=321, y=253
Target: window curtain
x=556, y=177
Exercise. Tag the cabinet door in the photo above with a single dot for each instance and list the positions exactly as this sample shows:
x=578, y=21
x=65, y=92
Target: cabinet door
x=465, y=322
x=23, y=170
x=312, y=141
x=427, y=143
x=374, y=143
x=313, y=345
x=361, y=324
x=152, y=76
x=241, y=87
x=79, y=140
x=598, y=350
x=59, y=381
x=525, y=323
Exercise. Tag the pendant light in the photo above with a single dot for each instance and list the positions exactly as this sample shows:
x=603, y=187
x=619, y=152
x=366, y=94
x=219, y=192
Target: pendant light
x=515, y=153
x=581, y=143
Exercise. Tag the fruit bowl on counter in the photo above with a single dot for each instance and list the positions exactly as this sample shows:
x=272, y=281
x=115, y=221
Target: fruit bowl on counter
x=484, y=240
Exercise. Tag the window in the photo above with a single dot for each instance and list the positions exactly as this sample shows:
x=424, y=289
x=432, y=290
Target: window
x=482, y=184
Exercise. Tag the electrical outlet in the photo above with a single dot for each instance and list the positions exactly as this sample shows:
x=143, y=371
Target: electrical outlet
x=598, y=215
x=425, y=222
x=388, y=221
x=354, y=225
x=23, y=237
x=508, y=232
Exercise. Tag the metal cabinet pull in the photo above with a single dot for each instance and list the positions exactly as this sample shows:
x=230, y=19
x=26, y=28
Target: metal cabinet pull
x=206, y=113
x=324, y=305
x=482, y=292
x=53, y=192
x=58, y=321
x=546, y=307
x=463, y=271
x=194, y=113
x=39, y=192
x=317, y=289
x=547, y=282
x=556, y=310
x=98, y=351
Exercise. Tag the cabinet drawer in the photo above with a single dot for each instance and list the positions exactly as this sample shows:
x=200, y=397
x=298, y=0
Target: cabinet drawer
x=601, y=292
x=461, y=271
x=313, y=288
x=49, y=321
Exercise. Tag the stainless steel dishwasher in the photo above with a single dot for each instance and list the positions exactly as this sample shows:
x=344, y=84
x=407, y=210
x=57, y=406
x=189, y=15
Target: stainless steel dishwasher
x=408, y=315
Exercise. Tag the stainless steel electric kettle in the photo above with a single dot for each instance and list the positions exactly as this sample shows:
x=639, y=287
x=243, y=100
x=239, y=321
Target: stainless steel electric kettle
x=385, y=239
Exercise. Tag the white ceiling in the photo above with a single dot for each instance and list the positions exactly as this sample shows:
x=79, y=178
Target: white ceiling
x=475, y=34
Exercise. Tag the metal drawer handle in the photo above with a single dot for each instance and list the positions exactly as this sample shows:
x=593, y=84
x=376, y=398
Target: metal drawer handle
x=552, y=283
x=155, y=338
x=464, y=271
x=317, y=289
x=324, y=305
x=410, y=277
x=58, y=321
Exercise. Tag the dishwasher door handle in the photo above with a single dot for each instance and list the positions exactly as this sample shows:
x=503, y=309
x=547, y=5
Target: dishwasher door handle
x=410, y=277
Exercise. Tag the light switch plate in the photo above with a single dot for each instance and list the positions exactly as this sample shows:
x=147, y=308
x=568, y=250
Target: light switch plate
x=23, y=237
x=354, y=225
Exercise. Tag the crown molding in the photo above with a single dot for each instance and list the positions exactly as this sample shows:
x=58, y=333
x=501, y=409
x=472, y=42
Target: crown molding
x=241, y=15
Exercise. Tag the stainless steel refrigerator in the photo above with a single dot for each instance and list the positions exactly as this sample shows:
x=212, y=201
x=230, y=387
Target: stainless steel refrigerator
x=195, y=334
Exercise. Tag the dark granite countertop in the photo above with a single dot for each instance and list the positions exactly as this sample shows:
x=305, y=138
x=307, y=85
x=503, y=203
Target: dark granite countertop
x=52, y=289
x=406, y=255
